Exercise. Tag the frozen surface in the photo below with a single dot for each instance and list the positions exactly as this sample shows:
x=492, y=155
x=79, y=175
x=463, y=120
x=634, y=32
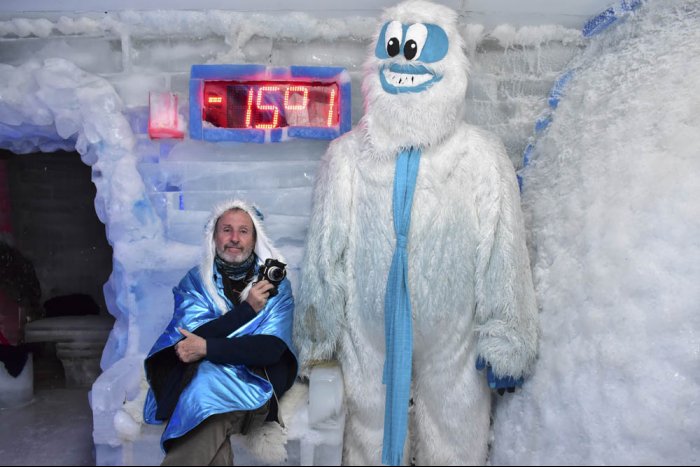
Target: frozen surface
x=54, y=429
x=16, y=391
x=612, y=196
x=533, y=11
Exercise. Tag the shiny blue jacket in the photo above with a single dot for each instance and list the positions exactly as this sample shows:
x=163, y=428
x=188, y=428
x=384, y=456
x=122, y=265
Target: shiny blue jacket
x=217, y=388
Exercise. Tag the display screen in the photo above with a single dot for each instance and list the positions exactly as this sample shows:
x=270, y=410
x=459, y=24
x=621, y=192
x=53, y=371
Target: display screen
x=270, y=104
x=250, y=103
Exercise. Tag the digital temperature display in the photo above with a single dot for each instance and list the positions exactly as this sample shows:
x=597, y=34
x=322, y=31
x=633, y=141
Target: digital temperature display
x=254, y=103
x=270, y=104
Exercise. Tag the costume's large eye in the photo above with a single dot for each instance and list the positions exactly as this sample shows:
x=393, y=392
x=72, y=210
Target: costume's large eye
x=435, y=46
x=393, y=36
x=415, y=40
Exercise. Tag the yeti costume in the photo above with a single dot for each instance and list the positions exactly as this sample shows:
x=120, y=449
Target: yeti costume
x=469, y=277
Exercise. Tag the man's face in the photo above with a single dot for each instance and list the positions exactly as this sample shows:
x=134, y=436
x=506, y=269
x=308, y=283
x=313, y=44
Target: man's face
x=234, y=236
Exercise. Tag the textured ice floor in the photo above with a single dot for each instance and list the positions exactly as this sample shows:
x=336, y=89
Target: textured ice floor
x=54, y=429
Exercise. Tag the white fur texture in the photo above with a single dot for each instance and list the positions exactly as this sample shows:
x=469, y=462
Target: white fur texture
x=263, y=247
x=397, y=121
x=129, y=418
x=134, y=407
x=126, y=427
x=268, y=442
x=469, y=273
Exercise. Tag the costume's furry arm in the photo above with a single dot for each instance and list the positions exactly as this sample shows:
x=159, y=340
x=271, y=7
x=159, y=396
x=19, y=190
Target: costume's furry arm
x=322, y=292
x=506, y=309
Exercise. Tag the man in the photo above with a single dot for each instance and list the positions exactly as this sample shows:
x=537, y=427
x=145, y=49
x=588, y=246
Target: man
x=226, y=357
x=416, y=263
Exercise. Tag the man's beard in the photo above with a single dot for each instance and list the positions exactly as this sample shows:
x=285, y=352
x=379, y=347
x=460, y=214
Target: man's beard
x=234, y=255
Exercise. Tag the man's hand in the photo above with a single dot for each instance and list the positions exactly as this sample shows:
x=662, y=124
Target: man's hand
x=258, y=295
x=192, y=348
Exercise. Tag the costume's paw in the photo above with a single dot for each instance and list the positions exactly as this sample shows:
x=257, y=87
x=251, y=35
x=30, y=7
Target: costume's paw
x=500, y=383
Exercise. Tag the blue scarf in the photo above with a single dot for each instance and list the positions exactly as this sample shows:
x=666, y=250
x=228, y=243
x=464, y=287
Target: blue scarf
x=398, y=326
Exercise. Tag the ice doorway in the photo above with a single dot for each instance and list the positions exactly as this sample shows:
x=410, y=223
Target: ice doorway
x=54, y=227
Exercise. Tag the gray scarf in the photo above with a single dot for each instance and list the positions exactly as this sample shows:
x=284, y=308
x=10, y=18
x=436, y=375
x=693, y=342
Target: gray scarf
x=235, y=271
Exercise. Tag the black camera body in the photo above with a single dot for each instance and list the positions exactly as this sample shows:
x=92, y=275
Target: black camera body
x=274, y=272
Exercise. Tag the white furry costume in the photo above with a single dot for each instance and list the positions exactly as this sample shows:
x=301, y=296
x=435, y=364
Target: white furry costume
x=469, y=275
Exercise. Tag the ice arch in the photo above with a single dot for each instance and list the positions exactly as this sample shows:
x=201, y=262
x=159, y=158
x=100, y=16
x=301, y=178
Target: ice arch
x=50, y=105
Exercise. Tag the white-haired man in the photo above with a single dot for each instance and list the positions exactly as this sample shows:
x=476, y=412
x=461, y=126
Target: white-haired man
x=226, y=357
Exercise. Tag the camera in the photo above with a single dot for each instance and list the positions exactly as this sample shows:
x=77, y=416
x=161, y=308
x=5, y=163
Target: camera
x=274, y=272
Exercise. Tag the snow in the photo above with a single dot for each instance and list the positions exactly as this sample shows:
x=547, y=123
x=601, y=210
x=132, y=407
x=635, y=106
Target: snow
x=610, y=194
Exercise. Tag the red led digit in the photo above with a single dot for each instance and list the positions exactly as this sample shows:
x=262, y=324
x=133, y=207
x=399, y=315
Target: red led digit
x=249, y=107
x=261, y=106
x=267, y=105
x=331, y=103
x=304, y=100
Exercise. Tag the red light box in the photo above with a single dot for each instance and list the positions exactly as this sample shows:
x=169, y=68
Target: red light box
x=261, y=104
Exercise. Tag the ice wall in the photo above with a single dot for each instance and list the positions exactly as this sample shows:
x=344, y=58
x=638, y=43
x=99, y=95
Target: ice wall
x=612, y=194
x=82, y=82
x=571, y=13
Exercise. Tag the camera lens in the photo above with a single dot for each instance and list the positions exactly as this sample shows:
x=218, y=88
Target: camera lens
x=276, y=274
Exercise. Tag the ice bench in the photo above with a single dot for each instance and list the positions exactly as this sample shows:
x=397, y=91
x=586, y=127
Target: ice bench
x=314, y=415
x=79, y=343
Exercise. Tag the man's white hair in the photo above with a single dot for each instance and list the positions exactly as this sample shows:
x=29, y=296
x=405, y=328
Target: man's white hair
x=263, y=246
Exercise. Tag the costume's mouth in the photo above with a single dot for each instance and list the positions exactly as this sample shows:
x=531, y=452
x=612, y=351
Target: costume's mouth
x=397, y=78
